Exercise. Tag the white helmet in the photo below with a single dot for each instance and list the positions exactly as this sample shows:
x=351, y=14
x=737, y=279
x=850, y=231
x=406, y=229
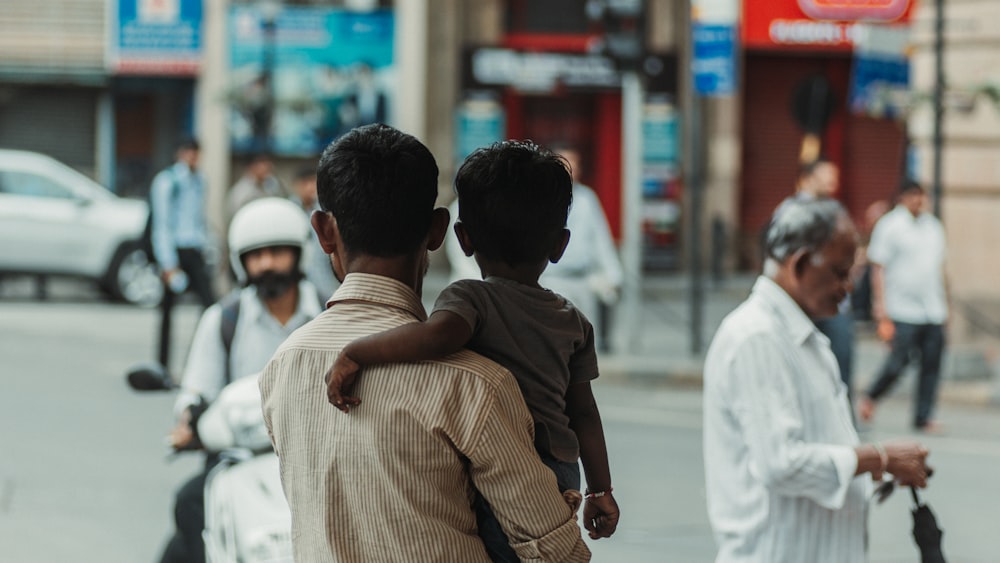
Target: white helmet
x=269, y=221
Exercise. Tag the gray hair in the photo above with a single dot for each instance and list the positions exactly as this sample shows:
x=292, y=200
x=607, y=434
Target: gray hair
x=802, y=225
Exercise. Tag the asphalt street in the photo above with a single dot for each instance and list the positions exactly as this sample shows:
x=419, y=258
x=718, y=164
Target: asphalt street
x=84, y=474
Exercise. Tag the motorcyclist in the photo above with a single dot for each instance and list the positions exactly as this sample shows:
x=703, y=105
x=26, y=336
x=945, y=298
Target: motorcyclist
x=266, y=240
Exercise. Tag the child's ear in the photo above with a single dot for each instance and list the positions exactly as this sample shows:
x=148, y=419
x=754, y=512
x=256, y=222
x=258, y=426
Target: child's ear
x=560, y=247
x=463, y=239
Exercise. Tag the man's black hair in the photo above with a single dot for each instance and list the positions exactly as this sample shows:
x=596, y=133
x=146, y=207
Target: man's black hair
x=305, y=172
x=513, y=198
x=907, y=185
x=188, y=144
x=806, y=169
x=380, y=184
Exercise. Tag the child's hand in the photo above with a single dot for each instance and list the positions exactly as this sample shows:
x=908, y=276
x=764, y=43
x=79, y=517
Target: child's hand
x=600, y=516
x=573, y=499
x=340, y=380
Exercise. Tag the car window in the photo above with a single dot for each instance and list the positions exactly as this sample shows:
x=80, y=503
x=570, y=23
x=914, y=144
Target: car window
x=32, y=185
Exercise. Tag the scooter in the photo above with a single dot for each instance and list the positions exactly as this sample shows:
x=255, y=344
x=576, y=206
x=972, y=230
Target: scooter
x=247, y=519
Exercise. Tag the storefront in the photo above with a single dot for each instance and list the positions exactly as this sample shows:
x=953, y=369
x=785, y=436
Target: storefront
x=802, y=55
x=552, y=90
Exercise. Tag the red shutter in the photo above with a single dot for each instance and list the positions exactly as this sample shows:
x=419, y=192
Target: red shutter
x=870, y=152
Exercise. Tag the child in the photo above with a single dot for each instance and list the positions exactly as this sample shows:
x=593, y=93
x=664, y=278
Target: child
x=513, y=200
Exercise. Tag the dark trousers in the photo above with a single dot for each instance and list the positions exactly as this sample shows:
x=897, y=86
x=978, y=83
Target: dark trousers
x=192, y=262
x=926, y=341
x=496, y=542
x=840, y=330
x=187, y=544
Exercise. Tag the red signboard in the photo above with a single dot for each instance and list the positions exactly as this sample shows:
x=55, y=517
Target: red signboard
x=815, y=24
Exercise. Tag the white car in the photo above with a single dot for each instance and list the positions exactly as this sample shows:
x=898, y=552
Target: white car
x=57, y=221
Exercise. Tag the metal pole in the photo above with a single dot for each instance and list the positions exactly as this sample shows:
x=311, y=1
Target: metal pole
x=270, y=40
x=939, y=84
x=693, y=133
x=696, y=190
x=631, y=249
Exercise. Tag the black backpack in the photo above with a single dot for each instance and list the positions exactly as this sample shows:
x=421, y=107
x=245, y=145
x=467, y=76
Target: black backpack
x=230, y=305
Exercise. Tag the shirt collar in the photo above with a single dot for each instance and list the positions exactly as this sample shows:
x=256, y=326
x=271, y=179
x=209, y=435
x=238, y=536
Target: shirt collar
x=800, y=326
x=380, y=290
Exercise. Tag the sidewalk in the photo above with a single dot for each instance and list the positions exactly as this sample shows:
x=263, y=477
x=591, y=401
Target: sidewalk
x=657, y=348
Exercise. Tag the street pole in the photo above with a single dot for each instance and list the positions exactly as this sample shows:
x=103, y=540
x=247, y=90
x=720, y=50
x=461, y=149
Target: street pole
x=696, y=194
x=631, y=248
x=692, y=173
x=939, y=84
x=268, y=73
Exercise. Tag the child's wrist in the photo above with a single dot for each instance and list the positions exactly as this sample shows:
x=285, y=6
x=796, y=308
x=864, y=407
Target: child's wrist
x=599, y=493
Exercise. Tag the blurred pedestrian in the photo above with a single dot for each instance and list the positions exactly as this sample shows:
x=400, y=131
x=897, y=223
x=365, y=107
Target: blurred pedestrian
x=180, y=235
x=820, y=179
x=910, y=294
x=589, y=274
x=236, y=337
x=258, y=180
x=782, y=458
x=393, y=480
x=317, y=265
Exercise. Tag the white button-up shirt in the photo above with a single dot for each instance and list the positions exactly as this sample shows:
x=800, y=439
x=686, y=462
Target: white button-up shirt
x=911, y=251
x=258, y=334
x=779, y=441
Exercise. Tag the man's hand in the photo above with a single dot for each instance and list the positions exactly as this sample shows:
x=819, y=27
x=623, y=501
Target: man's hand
x=600, y=516
x=165, y=275
x=908, y=462
x=182, y=436
x=340, y=381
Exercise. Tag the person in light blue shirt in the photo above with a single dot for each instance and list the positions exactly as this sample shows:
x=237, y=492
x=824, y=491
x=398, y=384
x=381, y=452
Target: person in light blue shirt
x=180, y=235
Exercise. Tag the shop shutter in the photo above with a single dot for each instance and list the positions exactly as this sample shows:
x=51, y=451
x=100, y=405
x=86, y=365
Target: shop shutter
x=874, y=162
x=58, y=122
x=771, y=144
x=771, y=138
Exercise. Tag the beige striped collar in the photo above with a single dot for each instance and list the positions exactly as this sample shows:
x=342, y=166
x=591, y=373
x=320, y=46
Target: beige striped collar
x=379, y=289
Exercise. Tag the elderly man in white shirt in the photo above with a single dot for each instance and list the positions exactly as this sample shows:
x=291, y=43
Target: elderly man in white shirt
x=907, y=252
x=784, y=469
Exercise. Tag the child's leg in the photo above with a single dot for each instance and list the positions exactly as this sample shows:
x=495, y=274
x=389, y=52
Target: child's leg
x=493, y=536
x=567, y=473
x=494, y=539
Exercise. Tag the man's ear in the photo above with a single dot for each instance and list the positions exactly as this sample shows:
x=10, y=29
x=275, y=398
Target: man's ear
x=800, y=260
x=464, y=240
x=325, y=226
x=560, y=247
x=439, y=228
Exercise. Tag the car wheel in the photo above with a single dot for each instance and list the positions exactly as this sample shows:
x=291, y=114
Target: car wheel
x=133, y=278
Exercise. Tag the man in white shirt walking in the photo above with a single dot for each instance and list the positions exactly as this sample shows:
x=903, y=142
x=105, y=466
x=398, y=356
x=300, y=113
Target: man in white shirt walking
x=784, y=468
x=907, y=253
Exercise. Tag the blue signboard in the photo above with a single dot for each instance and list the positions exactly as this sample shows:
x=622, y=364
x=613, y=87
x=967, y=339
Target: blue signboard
x=714, y=64
x=874, y=79
x=307, y=76
x=156, y=37
x=478, y=123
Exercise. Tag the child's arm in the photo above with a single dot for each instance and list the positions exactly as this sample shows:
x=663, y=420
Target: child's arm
x=441, y=334
x=600, y=513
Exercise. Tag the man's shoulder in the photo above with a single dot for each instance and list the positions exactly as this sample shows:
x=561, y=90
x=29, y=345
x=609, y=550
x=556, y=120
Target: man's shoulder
x=467, y=362
x=750, y=320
